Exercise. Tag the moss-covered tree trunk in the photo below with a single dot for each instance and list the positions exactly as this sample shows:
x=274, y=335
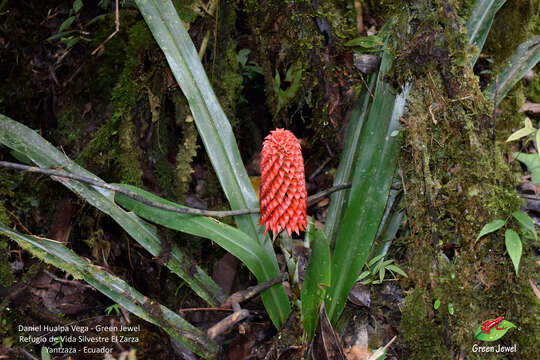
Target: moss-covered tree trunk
x=456, y=179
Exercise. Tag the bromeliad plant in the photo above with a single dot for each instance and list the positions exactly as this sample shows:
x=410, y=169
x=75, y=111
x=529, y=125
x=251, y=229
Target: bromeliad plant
x=356, y=217
x=369, y=162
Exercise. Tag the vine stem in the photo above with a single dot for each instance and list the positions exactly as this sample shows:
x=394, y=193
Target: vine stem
x=174, y=208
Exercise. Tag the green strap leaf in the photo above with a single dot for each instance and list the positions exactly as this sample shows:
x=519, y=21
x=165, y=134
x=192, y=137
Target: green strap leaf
x=526, y=56
x=26, y=141
x=238, y=243
x=491, y=227
x=351, y=151
x=119, y=291
x=373, y=174
x=317, y=279
x=349, y=155
x=214, y=129
x=212, y=124
x=480, y=22
x=390, y=223
x=514, y=247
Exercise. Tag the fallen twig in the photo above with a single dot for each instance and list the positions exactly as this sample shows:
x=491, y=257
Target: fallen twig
x=234, y=301
x=116, y=30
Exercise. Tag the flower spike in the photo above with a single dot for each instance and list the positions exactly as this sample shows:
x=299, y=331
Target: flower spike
x=283, y=185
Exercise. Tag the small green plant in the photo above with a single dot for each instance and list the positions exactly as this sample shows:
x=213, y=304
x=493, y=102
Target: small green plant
x=526, y=131
x=110, y=309
x=366, y=44
x=437, y=305
x=513, y=242
x=532, y=161
x=376, y=270
x=68, y=34
x=58, y=342
x=294, y=78
x=249, y=67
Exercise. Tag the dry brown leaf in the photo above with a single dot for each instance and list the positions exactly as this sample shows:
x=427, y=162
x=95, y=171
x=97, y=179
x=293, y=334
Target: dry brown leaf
x=535, y=289
x=326, y=345
x=357, y=353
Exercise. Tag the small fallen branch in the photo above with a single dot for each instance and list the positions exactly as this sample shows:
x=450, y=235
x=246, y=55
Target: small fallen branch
x=530, y=107
x=101, y=46
x=60, y=175
x=234, y=301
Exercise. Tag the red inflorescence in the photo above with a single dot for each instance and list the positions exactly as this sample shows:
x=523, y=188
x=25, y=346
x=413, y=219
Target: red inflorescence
x=283, y=185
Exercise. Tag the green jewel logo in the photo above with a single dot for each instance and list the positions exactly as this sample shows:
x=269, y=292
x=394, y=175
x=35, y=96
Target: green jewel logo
x=493, y=329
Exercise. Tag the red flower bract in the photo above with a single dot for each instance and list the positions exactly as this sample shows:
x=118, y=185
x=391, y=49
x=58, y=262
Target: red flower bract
x=283, y=186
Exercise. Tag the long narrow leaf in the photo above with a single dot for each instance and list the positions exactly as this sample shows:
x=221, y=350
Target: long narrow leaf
x=26, y=141
x=117, y=290
x=480, y=22
x=339, y=199
x=373, y=174
x=317, y=279
x=387, y=235
x=212, y=124
x=238, y=243
x=392, y=205
x=526, y=56
x=215, y=131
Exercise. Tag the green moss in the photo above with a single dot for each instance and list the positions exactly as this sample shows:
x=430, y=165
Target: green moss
x=119, y=131
x=70, y=133
x=224, y=69
x=229, y=83
x=4, y=219
x=163, y=144
x=187, y=147
x=342, y=19
x=533, y=90
x=299, y=39
x=103, y=75
x=424, y=338
x=464, y=7
x=188, y=10
x=34, y=269
x=313, y=107
x=129, y=157
x=6, y=276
